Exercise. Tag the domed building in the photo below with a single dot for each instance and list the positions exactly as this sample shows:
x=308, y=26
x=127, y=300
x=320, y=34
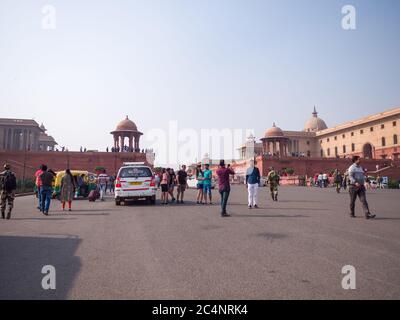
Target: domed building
x=275, y=142
x=315, y=123
x=126, y=129
x=374, y=137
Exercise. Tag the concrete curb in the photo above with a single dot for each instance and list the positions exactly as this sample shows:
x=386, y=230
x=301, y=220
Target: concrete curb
x=24, y=194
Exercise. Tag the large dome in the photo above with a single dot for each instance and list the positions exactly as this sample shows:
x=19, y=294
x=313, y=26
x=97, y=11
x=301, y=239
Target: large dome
x=315, y=123
x=126, y=125
x=274, y=132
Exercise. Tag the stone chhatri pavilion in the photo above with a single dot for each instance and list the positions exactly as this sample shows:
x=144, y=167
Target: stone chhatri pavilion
x=126, y=129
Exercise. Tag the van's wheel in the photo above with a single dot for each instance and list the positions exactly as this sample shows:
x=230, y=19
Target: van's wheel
x=117, y=202
x=153, y=200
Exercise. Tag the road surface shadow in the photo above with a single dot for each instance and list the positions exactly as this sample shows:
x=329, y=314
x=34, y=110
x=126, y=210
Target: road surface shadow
x=48, y=218
x=268, y=216
x=271, y=236
x=22, y=260
x=78, y=213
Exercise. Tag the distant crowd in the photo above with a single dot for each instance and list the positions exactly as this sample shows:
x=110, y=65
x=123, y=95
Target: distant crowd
x=71, y=186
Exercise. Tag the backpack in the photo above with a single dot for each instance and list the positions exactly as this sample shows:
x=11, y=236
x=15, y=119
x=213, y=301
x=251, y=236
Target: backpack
x=9, y=181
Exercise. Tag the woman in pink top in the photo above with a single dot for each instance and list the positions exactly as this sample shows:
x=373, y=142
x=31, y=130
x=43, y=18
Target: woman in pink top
x=164, y=186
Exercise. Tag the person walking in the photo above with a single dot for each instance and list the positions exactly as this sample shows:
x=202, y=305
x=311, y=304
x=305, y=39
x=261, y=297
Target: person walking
x=273, y=180
x=325, y=180
x=102, y=180
x=38, y=184
x=199, y=178
x=252, y=181
x=8, y=185
x=171, y=183
x=46, y=191
x=67, y=189
x=338, y=180
x=357, y=188
x=320, y=181
x=207, y=177
x=111, y=184
x=164, y=186
x=224, y=186
x=181, y=180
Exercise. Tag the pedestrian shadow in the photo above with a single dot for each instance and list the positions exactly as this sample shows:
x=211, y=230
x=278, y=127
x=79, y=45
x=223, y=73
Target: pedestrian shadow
x=386, y=218
x=88, y=214
x=299, y=201
x=44, y=218
x=22, y=260
x=268, y=216
x=271, y=236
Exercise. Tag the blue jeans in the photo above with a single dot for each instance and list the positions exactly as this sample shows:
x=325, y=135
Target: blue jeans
x=39, y=195
x=224, y=199
x=45, y=193
x=207, y=189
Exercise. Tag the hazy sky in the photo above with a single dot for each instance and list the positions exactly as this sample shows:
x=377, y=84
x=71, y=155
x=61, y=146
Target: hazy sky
x=206, y=64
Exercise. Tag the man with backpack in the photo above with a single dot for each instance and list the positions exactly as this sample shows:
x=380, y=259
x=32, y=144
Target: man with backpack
x=8, y=185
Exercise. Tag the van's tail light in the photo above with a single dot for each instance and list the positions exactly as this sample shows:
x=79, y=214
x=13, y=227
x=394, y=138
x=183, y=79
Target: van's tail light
x=118, y=183
x=153, y=182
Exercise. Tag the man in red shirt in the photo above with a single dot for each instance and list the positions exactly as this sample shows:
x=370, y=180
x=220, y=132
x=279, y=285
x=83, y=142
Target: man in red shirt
x=38, y=183
x=224, y=186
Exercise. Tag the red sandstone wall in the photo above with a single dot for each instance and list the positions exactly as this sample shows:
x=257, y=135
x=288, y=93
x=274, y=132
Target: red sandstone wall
x=62, y=160
x=311, y=166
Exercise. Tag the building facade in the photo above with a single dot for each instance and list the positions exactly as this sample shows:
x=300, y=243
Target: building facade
x=24, y=134
x=372, y=137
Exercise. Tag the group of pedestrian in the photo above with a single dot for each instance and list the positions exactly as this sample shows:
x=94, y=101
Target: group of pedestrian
x=355, y=177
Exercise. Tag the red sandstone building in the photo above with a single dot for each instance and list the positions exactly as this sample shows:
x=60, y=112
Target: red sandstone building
x=372, y=137
x=25, y=145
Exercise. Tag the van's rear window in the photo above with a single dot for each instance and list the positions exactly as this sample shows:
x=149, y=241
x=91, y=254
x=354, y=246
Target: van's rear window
x=139, y=172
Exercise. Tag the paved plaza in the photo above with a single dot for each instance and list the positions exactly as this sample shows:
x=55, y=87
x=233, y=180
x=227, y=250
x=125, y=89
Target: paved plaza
x=293, y=249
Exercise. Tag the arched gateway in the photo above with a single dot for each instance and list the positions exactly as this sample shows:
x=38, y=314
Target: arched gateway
x=367, y=151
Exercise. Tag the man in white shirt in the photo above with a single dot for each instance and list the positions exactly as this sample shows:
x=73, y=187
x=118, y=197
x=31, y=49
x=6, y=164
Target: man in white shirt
x=357, y=188
x=102, y=180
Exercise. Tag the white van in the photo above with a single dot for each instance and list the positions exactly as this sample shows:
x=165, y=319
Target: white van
x=135, y=181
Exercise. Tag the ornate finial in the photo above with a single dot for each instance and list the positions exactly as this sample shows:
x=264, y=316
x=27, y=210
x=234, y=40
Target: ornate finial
x=127, y=117
x=315, y=113
x=273, y=125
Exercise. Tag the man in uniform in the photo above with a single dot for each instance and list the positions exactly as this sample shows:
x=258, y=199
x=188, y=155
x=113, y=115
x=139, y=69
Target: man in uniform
x=8, y=185
x=273, y=180
x=338, y=180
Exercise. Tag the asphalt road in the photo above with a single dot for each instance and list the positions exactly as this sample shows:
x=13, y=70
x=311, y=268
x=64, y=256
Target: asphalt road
x=293, y=249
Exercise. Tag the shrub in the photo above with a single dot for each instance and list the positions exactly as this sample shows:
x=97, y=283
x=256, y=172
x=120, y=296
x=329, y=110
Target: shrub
x=25, y=186
x=393, y=184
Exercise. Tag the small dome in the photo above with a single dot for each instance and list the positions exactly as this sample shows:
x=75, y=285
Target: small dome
x=274, y=132
x=315, y=123
x=126, y=125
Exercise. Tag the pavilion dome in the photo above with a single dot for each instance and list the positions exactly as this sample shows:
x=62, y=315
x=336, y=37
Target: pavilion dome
x=126, y=125
x=274, y=132
x=315, y=123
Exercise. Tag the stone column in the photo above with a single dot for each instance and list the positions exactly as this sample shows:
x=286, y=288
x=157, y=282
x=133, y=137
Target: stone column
x=130, y=142
x=122, y=141
x=137, y=138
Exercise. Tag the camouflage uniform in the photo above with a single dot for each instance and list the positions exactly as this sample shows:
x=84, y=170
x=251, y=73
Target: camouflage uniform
x=273, y=180
x=6, y=197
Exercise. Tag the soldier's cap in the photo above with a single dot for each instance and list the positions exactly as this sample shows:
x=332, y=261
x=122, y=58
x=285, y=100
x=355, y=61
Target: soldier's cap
x=7, y=166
